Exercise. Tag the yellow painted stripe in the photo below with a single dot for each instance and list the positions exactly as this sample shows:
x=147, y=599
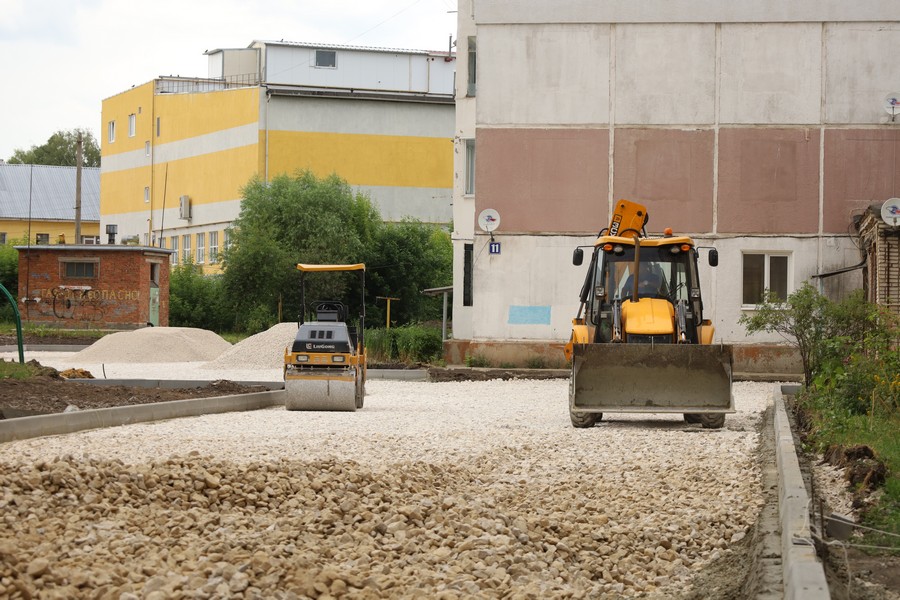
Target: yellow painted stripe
x=206, y=179
x=295, y=377
x=377, y=160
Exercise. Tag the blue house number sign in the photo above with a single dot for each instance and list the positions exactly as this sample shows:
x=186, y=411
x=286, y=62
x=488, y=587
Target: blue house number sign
x=494, y=247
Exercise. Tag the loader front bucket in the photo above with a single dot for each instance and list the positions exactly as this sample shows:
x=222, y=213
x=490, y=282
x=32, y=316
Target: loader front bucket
x=658, y=378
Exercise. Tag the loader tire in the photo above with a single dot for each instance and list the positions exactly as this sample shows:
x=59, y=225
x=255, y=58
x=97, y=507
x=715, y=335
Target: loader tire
x=583, y=420
x=712, y=421
x=691, y=418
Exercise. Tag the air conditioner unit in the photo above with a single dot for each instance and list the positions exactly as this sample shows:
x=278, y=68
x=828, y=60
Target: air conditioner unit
x=184, y=207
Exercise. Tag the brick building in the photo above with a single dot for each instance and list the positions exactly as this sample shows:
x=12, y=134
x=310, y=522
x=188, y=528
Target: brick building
x=97, y=287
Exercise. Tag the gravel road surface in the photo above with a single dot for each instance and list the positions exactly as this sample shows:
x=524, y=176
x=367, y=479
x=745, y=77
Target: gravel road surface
x=444, y=490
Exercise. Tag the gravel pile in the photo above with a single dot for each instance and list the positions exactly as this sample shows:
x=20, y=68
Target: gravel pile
x=264, y=350
x=451, y=490
x=154, y=345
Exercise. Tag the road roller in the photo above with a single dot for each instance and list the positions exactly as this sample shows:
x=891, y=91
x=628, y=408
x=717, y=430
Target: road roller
x=325, y=365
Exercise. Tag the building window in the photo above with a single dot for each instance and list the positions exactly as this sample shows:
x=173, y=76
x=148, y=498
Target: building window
x=42, y=238
x=213, y=247
x=174, y=255
x=470, y=166
x=227, y=239
x=467, y=274
x=80, y=270
x=157, y=126
x=132, y=124
x=326, y=59
x=90, y=240
x=762, y=272
x=201, y=248
x=146, y=148
x=470, y=90
x=186, y=248
x=2, y=237
x=111, y=131
x=146, y=194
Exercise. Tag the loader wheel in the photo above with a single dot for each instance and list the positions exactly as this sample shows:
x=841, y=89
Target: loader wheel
x=712, y=421
x=691, y=418
x=583, y=420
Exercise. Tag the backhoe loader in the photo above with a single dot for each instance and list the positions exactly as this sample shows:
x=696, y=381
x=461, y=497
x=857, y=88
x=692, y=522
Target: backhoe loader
x=639, y=341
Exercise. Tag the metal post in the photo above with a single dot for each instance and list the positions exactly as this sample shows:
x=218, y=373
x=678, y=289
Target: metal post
x=444, y=320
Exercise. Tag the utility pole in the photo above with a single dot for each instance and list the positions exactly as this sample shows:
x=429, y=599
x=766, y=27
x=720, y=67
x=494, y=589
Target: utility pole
x=79, y=159
x=388, y=324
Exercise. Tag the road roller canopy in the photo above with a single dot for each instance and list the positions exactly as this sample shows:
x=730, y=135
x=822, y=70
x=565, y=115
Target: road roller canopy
x=324, y=268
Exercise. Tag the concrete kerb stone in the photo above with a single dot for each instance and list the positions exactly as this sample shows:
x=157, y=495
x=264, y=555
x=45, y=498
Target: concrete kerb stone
x=804, y=575
x=71, y=422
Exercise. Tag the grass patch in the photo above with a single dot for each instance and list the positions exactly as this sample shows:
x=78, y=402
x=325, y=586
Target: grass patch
x=14, y=370
x=233, y=337
x=477, y=360
x=45, y=331
x=880, y=434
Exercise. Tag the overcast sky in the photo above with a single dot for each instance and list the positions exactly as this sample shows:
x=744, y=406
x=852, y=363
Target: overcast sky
x=60, y=58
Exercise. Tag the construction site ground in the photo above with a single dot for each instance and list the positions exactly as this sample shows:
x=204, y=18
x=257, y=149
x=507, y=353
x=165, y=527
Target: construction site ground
x=50, y=394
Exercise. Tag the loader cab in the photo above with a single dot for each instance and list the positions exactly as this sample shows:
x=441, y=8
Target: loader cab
x=666, y=271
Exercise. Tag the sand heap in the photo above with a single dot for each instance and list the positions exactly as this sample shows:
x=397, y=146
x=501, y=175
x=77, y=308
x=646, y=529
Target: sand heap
x=265, y=350
x=155, y=345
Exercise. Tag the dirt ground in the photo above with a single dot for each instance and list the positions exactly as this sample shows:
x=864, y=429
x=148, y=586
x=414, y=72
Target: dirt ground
x=51, y=393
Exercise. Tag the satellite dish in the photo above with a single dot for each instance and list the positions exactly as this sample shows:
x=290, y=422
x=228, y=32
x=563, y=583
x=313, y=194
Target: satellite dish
x=890, y=212
x=892, y=104
x=489, y=220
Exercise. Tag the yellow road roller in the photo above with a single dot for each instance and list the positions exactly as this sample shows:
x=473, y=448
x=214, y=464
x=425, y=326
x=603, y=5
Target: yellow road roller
x=325, y=366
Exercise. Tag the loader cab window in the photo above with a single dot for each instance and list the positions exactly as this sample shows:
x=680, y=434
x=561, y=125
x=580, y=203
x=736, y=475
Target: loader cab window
x=662, y=275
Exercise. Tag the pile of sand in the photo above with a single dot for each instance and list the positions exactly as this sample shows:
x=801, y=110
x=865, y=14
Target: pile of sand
x=154, y=345
x=265, y=350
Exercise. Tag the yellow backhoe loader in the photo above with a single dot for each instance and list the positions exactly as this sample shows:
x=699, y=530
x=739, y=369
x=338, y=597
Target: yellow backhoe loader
x=325, y=366
x=639, y=341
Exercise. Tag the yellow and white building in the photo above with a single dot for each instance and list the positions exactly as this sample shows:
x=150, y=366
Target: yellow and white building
x=176, y=151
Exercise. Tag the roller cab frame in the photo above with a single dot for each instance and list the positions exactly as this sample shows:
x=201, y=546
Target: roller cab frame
x=325, y=366
x=639, y=342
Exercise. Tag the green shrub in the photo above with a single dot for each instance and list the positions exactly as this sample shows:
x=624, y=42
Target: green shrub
x=380, y=345
x=417, y=344
x=477, y=360
x=536, y=362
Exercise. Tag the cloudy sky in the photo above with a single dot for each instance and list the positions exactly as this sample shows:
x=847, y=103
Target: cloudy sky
x=60, y=58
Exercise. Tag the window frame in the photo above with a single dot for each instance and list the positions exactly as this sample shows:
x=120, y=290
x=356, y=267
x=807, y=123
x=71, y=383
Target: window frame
x=186, y=249
x=470, y=167
x=2, y=237
x=213, y=247
x=767, y=255
x=174, y=256
x=324, y=51
x=472, y=64
x=65, y=263
x=111, y=131
x=200, y=250
x=132, y=125
x=41, y=239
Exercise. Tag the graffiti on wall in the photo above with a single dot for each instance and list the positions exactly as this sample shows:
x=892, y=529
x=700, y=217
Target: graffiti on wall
x=78, y=303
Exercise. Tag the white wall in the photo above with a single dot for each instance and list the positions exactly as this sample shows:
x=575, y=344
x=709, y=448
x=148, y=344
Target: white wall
x=543, y=74
x=771, y=73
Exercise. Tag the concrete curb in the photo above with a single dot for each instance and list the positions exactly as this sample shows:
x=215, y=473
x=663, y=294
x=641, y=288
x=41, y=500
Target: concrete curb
x=397, y=374
x=804, y=575
x=61, y=423
x=44, y=348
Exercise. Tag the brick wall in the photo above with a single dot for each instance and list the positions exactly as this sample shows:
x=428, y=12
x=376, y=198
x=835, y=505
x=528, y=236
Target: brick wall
x=99, y=287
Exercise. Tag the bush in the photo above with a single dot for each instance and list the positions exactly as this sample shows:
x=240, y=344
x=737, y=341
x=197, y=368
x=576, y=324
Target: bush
x=407, y=343
x=197, y=300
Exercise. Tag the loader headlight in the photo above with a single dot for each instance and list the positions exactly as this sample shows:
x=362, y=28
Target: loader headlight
x=302, y=358
x=338, y=358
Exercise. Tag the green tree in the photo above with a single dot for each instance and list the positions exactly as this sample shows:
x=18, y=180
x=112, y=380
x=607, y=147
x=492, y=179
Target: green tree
x=821, y=330
x=59, y=150
x=406, y=258
x=197, y=300
x=295, y=219
x=9, y=268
